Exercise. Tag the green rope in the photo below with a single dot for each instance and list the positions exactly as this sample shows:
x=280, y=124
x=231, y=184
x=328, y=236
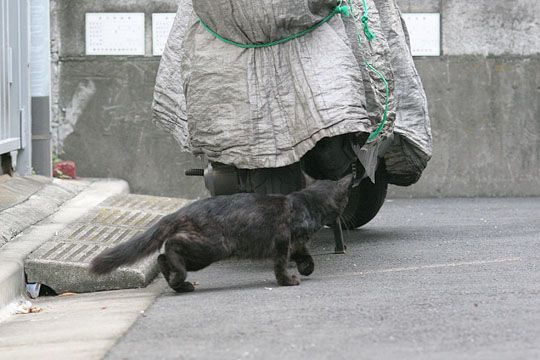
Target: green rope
x=376, y=133
x=340, y=9
x=370, y=35
x=345, y=10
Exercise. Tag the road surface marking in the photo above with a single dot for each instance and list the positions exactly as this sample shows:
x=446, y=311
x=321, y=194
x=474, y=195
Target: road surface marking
x=431, y=266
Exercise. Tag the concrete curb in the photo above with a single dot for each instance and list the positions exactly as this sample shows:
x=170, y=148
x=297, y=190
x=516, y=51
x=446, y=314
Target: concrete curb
x=13, y=254
x=16, y=189
x=33, y=201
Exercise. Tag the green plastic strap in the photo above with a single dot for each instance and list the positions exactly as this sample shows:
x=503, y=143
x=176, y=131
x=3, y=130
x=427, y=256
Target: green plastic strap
x=380, y=128
x=370, y=35
x=340, y=9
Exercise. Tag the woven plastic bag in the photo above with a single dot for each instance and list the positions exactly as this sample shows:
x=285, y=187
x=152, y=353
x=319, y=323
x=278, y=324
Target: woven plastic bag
x=266, y=107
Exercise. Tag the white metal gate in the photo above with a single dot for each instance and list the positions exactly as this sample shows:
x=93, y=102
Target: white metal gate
x=14, y=80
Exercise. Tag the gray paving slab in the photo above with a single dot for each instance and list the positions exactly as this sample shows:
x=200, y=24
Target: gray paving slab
x=81, y=326
x=62, y=263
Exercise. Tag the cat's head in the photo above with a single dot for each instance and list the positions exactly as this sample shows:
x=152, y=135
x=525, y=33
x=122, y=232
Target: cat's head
x=341, y=194
x=332, y=195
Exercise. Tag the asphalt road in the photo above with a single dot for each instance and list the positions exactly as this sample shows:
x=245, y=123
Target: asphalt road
x=428, y=279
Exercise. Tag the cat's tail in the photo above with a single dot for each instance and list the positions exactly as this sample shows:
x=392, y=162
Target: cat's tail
x=134, y=249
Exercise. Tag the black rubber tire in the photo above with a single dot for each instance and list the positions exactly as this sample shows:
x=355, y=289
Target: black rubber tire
x=365, y=200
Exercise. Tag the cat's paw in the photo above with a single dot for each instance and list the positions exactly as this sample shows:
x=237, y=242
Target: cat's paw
x=289, y=281
x=306, y=267
x=186, y=286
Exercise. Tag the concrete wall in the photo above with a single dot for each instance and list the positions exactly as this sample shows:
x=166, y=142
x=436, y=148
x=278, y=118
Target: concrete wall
x=102, y=106
x=483, y=94
x=484, y=97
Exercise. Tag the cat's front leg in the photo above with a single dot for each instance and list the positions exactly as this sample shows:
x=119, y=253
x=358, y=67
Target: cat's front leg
x=280, y=264
x=301, y=256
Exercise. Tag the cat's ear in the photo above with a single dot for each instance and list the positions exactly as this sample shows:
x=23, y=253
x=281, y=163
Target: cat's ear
x=308, y=180
x=345, y=182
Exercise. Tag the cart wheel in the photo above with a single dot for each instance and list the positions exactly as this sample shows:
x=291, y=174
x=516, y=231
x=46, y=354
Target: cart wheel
x=365, y=200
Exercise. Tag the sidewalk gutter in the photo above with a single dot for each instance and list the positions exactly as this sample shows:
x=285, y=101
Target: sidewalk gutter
x=13, y=254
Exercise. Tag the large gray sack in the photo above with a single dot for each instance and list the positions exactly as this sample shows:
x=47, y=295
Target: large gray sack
x=267, y=107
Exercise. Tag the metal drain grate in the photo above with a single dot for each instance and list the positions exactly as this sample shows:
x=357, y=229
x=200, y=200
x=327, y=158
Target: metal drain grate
x=121, y=217
x=145, y=203
x=105, y=235
x=62, y=263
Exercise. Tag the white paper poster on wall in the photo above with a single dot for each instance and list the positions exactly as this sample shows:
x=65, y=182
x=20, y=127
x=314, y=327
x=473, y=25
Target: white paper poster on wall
x=161, y=27
x=115, y=34
x=425, y=33
x=40, y=62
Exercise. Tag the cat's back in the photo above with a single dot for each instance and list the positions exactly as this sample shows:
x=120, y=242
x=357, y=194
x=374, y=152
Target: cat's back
x=237, y=207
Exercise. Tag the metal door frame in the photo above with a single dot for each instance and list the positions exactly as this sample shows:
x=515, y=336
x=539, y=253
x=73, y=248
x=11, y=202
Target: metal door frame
x=15, y=108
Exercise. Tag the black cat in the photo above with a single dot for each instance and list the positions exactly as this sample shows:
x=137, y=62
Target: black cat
x=245, y=225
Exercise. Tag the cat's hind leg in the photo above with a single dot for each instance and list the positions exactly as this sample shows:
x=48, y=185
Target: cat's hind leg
x=164, y=266
x=280, y=263
x=304, y=262
x=169, y=273
x=175, y=267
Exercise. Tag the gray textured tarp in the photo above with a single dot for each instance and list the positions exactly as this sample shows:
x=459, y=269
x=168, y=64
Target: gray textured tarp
x=267, y=107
